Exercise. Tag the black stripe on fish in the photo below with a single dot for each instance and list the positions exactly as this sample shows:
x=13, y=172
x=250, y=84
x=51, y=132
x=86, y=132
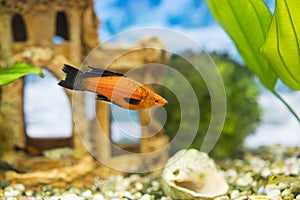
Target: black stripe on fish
x=132, y=101
x=102, y=98
x=98, y=72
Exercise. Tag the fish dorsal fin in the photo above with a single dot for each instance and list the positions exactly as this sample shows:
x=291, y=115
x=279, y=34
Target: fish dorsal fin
x=132, y=101
x=102, y=72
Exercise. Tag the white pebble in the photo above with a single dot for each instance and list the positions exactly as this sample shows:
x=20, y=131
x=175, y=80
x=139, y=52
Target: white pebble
x=242, y=182
x=282, y=186
x=155, y=183
x=126, y=194
x=285, y=192
x=29, y=192
x=139, y=186
x=11, y=193
x=123, y=185
x=266, y=172
x=242, y=198
x=134, y=177
x=276, y=171
x=55, y=198
x=109, y=194
x=222, y=198
x=19, y=187
x=166, y=198
x=261, y=190
x=274, y=193
x=87, y=194
x=146, y=197
x=234, y=194
x=271, y=187
x=71, y=197
x=137, y=195
x=298, y=197
x=11, y=198
x=98, y=197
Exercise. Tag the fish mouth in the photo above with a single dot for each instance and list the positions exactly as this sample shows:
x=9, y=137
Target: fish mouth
x=162, y=102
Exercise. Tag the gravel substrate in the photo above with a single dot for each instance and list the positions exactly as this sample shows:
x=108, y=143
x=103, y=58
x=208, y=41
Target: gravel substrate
x=247, y=176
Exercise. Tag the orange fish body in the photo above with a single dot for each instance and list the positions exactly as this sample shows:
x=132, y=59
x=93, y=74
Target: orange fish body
x=112, y=87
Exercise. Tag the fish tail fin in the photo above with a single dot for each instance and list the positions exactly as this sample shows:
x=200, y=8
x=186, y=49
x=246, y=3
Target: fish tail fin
x=73, y=78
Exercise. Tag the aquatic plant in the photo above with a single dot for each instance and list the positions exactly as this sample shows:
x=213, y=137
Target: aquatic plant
x=243, y=113
x=269, y=45
x=19, y=69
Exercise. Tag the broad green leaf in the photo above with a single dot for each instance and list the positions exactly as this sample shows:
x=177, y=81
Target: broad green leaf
x=282, y=46
x=8, y=75
x=247, y=22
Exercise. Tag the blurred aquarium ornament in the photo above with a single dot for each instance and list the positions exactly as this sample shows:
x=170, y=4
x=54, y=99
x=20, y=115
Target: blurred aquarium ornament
x=43, y=115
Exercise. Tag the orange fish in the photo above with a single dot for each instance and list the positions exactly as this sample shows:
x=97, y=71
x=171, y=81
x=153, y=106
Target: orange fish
x=111, y=87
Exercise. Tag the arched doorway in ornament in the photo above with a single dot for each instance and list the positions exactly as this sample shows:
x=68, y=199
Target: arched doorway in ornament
x=47, y=113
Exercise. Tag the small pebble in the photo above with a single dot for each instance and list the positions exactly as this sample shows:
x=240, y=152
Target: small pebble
x=55, y=198
x=137, y=195
x=134, y=177
x=298, y=197
x=87, y=194
x=146, y=197
x=139, y=186
x=168, y=198
x=98, y=197
x=11, y=198
x=285, y=192
x=155, y=184
x=19, y=187
x=259, y=197
x=71, y=197
x=288, y=197
x=282, y=186
x=261, y=190
x=242, y=198
x=266, y=172
x=222, y=198
x=74, y=190
x=126, y=194
x=271, y=187
x=274, y=193
x=29, y=193
x=11, y=193
x=234, y=194
x=243, y=181
x=109, y=194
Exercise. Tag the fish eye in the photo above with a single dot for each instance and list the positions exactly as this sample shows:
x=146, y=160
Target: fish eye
x=155, y=101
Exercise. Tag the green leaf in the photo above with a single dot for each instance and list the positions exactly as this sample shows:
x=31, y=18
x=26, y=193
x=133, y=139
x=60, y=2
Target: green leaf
x=247, y=23
x=282, y=43
x=8, y=75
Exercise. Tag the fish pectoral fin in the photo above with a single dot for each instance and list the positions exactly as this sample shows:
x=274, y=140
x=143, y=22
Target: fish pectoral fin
x=132, y=101
x=102, y=98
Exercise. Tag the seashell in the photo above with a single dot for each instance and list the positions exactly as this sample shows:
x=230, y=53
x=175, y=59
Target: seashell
x=191, y=174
